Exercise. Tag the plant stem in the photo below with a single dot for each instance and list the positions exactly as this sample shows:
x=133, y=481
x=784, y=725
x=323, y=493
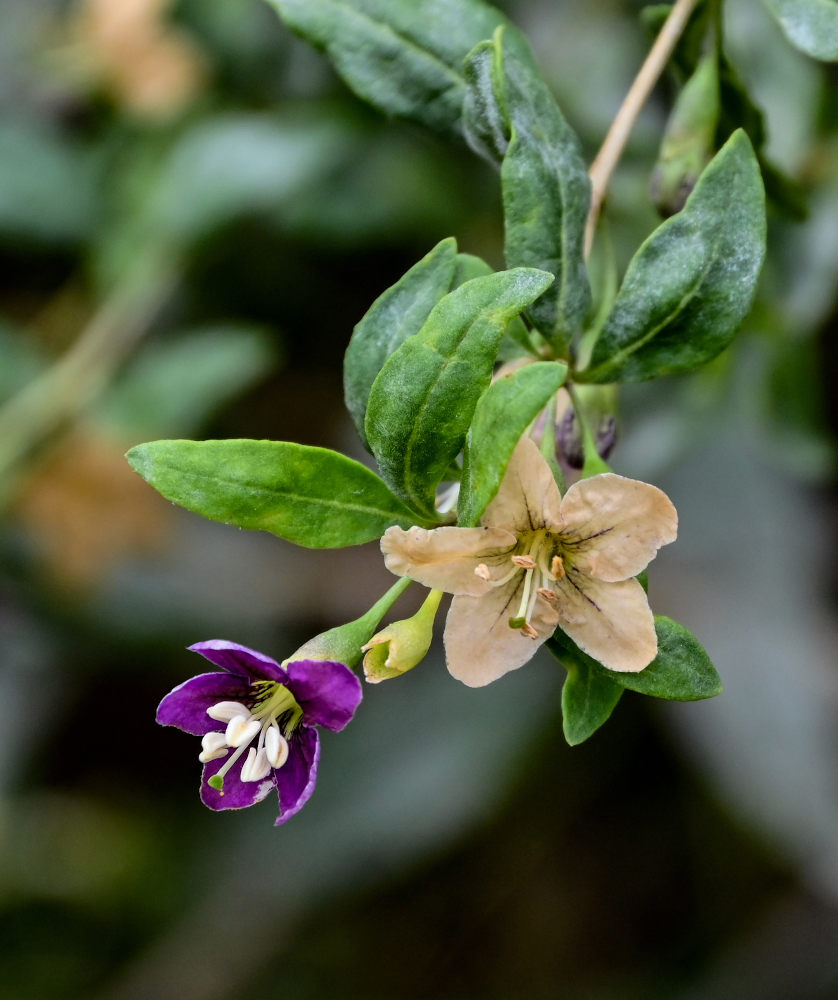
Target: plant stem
x=612, y=148
x=64, y=390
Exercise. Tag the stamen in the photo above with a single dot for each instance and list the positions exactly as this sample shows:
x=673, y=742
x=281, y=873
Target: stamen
x=482, y=570
x=256, y=766
x=526, y=562
x=276, y=747
x=214, y=746
x=529, y=630
x=224, y=711
x=549, y=595
x=557, y=567
x=241, y=730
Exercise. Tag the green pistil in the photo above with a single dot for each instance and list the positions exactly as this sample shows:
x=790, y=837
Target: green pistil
x=276, y=701
x=517, y=622
x=216, y=782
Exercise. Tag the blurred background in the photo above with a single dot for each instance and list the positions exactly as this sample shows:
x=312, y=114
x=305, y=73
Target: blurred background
x=194, y=212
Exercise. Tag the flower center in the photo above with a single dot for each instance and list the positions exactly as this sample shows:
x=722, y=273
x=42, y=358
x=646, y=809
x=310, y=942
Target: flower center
x=541, y=564
x=270, y=721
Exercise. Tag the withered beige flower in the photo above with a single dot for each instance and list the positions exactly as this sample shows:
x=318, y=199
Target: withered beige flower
x=540, y=561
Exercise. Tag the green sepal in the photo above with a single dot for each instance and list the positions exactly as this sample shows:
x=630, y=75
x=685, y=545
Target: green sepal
x=810, y=25
x=422, y=400
x=511, y=116
x=501, y=416
x=310, y=496
x=681, y=671
x=343, y=643
x=396, y=314
x=588, y=695
x=691, y=283
x=404, y=57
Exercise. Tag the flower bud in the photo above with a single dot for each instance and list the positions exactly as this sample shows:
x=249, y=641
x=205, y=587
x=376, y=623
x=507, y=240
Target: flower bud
x=687, y=144
x=401, y=645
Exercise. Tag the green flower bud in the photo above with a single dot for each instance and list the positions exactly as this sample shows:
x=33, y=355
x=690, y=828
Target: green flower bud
x=687, y=144
x=402, y=645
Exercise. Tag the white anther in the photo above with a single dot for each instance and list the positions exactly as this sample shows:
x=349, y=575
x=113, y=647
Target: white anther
x=256, y=766
x=482, y=570
x=241, y=729
x=526, y=562
x=214, y=746
x=276, y=747
x=224, y=711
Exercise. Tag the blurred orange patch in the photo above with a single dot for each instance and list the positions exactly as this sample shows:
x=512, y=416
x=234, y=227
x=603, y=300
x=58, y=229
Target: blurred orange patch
x=85, y=510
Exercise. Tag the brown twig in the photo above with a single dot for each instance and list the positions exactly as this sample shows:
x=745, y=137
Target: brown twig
x=612, y=148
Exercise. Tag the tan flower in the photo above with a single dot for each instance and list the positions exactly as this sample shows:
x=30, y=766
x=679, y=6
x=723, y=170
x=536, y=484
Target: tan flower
x=539, y=561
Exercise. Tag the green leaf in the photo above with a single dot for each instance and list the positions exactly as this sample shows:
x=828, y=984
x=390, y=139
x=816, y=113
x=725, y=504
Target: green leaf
x=502, y=415
x=682, y=670
x=511, y=115
x=588, y=699
x=810, y=25
x=38, y=167
x=395, y=315
x=422, y=401
x=691, y=283
x=309, y=496
x=173, y=385
x=516, y=341
x=404, y=57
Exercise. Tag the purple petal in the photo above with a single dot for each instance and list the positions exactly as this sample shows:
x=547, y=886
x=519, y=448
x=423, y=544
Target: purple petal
x=296, y=778
x=327, y=692
x=186, y=706
x=240, y=660
x=237, y=794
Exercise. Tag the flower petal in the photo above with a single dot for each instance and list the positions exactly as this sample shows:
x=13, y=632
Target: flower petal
x=240, y=660
x=327, y=692
x=296, y=778
x=614, y=526
x=446, y=558
x=479, y=644
x=611, y=622
x=237, y=794
x=528, y=498
x=186, y=706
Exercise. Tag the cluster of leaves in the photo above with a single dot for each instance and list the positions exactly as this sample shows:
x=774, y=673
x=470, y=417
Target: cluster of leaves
x=418, y=370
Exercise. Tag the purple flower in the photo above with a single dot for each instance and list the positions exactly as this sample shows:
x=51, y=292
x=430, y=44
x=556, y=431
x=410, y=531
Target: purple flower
x=257, y=722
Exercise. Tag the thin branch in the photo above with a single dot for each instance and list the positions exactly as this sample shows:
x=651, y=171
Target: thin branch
x=612, y=149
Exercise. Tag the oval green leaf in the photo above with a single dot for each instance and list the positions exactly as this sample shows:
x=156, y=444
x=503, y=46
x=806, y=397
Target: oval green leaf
x=690, y=285
x=422, y=401
x=310, y=496
x=501, y=416
x=396, y=314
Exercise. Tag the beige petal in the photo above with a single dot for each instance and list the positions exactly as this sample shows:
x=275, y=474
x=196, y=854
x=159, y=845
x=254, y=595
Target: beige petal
x=479, y=644
x=446, y=558
x=614, y=526
x=528, y=497
x=611, y=622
